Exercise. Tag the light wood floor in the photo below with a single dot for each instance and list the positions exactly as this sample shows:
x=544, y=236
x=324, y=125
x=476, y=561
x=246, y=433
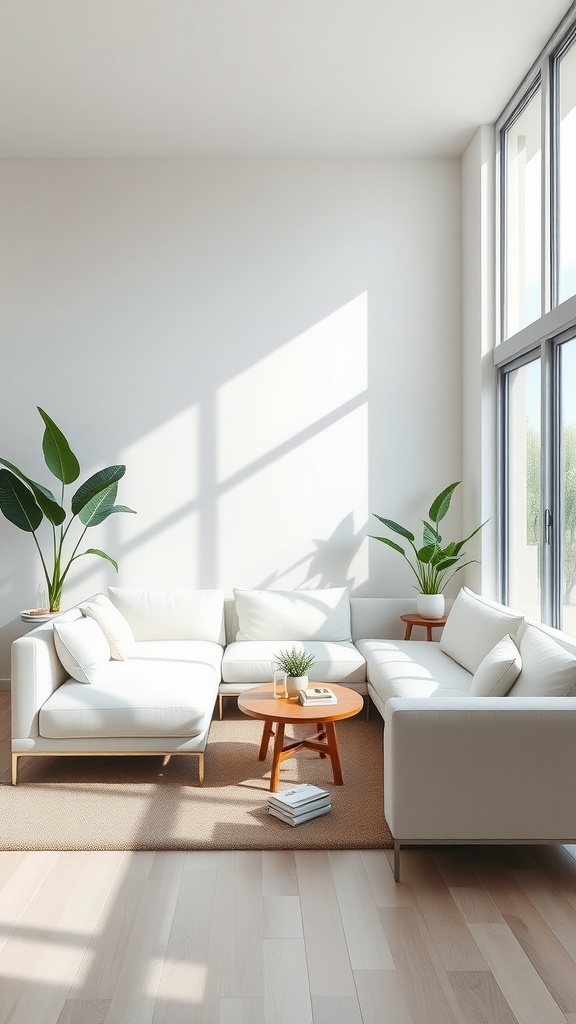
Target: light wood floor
x=480, y=935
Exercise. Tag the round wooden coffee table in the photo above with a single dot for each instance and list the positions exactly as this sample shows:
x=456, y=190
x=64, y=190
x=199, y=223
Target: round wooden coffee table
x=259, y=702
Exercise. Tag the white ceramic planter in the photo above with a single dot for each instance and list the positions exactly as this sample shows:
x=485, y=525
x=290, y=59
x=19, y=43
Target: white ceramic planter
x=294, y=684
x=431, y=606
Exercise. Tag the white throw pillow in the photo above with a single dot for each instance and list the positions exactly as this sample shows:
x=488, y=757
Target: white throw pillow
x=114, y=625
x=474, y=626
x=293, y=615
x=172, y=614
x=498, y=671
x=548, y=670
x=82, y=647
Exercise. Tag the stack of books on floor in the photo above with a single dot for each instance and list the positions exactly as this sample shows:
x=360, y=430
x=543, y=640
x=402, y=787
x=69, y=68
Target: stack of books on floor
x=301, y=803
x=317, y=695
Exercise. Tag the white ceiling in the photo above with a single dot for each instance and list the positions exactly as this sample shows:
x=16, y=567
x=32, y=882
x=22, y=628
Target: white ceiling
x=302, y=78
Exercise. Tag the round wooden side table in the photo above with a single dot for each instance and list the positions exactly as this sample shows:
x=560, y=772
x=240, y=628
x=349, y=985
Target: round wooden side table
x=419, y=620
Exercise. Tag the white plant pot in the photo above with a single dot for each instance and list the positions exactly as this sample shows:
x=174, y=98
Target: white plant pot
x=294, y=684
x=431, y=606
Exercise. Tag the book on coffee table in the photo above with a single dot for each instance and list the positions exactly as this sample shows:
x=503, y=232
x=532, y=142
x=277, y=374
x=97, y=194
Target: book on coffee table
x=320, y=695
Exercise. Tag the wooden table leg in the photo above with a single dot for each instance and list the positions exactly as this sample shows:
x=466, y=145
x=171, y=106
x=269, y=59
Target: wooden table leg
x=332, y=751
x=321, y=735
x=267, y=732
x=278, y=748
x=408, y=631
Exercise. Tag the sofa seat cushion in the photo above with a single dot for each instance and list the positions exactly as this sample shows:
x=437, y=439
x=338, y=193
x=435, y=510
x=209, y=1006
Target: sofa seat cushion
x=250, y=661
x=165, y=688
x=412, y=668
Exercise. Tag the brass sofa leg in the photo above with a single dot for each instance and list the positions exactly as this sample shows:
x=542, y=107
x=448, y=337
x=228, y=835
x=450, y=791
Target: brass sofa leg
x=201, y=768
x=14, y=769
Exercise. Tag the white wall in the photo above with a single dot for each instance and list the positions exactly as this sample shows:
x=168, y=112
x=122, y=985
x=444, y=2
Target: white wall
x=273, y=349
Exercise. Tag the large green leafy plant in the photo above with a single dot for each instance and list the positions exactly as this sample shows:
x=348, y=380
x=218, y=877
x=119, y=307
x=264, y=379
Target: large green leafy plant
x=434, y=562
x=27, y=503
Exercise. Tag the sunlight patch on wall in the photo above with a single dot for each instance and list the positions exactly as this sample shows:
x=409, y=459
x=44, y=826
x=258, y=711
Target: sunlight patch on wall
x=162, y=484
x=294, y=387
x=292, y=460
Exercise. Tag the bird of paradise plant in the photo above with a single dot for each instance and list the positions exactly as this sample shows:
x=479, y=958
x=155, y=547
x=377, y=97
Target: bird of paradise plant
x=27, y=504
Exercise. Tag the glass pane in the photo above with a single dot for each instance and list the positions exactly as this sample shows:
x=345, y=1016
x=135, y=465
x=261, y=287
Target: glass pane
x=568, y=483
x=523, y=218
x=523, y=466
x=567, y=176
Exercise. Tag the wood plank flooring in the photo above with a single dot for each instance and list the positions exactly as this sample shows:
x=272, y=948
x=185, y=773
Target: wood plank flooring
x=471, y=935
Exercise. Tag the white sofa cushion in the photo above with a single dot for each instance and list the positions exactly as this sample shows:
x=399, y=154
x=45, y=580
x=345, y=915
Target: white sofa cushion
x=172, y=614
x=250, y=661
x=412, y=668
x=113, y=624
x=82, y=648
x=299, y=615
x=498, y=671
x=165, y=688
x=474, y=626
x=548, y=670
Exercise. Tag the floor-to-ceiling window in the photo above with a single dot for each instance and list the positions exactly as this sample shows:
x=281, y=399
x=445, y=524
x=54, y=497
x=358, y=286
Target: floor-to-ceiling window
x=536, y=354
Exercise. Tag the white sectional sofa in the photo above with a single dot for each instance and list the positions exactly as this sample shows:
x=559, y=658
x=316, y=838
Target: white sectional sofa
x=149, y=682
x=480, y=728
x=138, y=674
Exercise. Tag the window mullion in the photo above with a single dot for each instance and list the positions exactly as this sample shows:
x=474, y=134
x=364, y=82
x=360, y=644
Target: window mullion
x=549, y=507
x=549, y=281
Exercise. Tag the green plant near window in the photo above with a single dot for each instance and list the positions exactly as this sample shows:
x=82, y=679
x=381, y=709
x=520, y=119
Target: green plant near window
x=294, y=663
x=434, y=562
x=27, y=503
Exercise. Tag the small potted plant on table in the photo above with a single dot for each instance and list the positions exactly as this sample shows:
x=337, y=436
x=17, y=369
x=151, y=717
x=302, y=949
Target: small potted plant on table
x=295, y=663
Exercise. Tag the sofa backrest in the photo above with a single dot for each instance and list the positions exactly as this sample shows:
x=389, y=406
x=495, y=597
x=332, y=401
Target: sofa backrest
x=371, y=617
x=564, y=639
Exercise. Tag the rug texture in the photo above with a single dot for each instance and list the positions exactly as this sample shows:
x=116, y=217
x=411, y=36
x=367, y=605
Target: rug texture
x=142, y=803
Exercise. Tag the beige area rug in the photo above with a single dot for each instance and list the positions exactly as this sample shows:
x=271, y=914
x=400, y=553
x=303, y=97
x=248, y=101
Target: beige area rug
x=140, y=803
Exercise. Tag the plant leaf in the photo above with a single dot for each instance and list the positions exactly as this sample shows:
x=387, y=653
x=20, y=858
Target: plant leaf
x=105, y=512
x=46, y=500
x=426, y=553
x=390, y=543
x=395, y=527
x=430, y=535
x=101, y=554
x=99, y=507
x=441, y=504
x=473, y=534
x=453, y=548
x=445, y=563
x=58, y=455
x=18, y=503
x=94, y=485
